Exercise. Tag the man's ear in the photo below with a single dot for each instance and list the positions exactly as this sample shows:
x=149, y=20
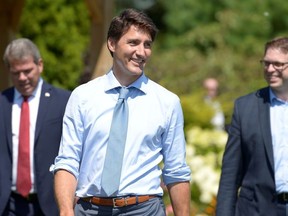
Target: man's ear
x=40, y=65
x=111, y=45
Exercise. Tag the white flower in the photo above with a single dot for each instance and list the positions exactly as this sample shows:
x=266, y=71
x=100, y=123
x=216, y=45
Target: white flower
x=205, y=148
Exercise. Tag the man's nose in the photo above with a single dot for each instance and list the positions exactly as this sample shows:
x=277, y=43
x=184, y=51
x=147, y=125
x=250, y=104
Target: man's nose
x=270, y=67
x=140, y=50
x=22, y=76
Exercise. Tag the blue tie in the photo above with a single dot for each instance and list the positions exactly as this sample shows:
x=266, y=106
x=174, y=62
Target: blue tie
x=116, y=145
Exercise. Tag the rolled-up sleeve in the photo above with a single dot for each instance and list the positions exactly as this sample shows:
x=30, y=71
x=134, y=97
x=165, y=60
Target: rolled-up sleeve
x=69, y=155
x=174, y=148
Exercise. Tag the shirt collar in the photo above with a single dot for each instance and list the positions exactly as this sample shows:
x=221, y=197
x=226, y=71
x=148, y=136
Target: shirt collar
x=273, y=98
x=112, y=82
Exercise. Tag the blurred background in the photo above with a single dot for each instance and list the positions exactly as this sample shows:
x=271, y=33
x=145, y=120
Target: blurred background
x=223, y=39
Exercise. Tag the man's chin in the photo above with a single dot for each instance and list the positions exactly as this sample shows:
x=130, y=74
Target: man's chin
x=136, y=72
x=25, y=91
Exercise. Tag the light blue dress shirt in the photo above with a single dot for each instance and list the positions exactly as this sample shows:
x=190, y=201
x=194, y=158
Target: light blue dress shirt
x=279, y=130
x=155, y=134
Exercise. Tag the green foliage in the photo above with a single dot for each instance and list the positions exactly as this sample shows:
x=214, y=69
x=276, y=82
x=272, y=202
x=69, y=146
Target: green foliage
x=61, y=31
x=186, y=14
x=223, y=39
x=196, y=111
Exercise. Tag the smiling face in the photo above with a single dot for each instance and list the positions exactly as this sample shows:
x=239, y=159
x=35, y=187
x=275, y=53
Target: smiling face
x=25, y=74
x=130, y=54
x=277, y=79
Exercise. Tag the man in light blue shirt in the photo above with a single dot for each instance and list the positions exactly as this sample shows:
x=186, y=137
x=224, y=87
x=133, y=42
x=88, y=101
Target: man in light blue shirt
x=155, y=134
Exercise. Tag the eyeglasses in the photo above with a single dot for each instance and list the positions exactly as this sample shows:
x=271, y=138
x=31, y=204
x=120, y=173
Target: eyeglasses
x=276, y=65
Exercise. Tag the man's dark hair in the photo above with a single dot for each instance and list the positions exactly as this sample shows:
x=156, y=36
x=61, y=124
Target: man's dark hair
x=121, y=24
x=280, y=43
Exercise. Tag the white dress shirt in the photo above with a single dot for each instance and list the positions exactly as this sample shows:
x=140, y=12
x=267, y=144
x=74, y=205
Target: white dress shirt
x=33, y=101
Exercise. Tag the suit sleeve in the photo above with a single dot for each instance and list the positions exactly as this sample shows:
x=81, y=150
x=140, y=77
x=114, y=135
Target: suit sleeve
x=231, y=175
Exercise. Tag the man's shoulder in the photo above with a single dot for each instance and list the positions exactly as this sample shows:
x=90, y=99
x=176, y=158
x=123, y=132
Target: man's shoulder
x=7, y=94
x=260, y=96
x=92, y=87
x=157, y=88
x=8, y=91
x=260, y=93
x=62, y=91
x=47, y=87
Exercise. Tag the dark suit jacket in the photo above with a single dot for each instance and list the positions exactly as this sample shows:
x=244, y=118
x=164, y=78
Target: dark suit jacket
x=247, y=185
x=47, y=140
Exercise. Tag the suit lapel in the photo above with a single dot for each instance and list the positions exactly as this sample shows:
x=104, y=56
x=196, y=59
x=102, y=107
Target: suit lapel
x=43, y=107
x=265, y=125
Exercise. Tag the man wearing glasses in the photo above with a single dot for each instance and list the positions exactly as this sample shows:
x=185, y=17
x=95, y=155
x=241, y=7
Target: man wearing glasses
x=254, y=179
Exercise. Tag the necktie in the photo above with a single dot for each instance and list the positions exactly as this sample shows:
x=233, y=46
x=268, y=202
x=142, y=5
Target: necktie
x=116, y=145
x=23, y=170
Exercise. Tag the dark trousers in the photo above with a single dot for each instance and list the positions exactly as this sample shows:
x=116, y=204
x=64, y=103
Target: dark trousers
x=20, y=206
x=282, y=209
x=152, y=207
